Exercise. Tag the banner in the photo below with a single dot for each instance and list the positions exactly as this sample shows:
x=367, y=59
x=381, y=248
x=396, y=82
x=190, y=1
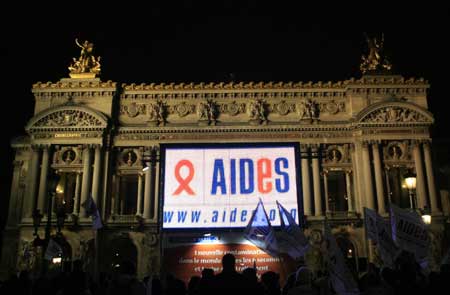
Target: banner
x=53, y=250
x=340, y=276
x=219, y=186
x=370, y=221
x=92, y=210
x=409, y=232
x=291, y=239
x=386, y=247
x=259, y=231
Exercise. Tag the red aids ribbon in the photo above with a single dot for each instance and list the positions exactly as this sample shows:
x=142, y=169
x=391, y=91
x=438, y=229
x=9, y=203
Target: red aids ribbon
x=184, y=182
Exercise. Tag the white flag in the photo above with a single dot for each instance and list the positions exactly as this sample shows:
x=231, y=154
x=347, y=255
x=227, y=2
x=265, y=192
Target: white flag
x=92, y=210
x=340, y=276
x=409, y=232
x=291, y=239
x=379, y=232
x=259, y=231
x=53, y=250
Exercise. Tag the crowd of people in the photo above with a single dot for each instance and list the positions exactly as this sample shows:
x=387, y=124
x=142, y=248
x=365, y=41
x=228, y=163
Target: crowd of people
x=405, y=278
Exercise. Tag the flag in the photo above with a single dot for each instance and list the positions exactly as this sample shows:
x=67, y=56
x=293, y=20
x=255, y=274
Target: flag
x=259, y=231
x=379, y=232
x=92, y=210
x=291, y=239
x=370, y=220
x=53, y=250
x=409, y=232
x=340, y=276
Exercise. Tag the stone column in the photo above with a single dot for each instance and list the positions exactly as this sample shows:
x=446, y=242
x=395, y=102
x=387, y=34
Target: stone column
x=378, y=179
x=368, y=191
x=420, y=183
x=85, y=185
x=139, y=195
x=30, y=201
x=325, y=192
x=14, y=202
x=430, y=178
x=147, y=190
x=43, y=181
x=76, y=203
x=348, y=184
x=117, y=201
x=156, y=190
x=357, y=177
x=96, y=174
x=306, y=181
x=316, y=180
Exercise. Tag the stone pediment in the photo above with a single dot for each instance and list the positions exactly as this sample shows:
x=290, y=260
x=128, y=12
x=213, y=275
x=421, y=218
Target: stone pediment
x=68, y=117
x=394, y=113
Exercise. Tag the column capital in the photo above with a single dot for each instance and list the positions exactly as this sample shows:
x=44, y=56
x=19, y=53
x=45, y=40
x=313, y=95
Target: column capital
x=17, y=163
x=304, y=148
x=366, y=143
x=349, y=171
x=415, y=142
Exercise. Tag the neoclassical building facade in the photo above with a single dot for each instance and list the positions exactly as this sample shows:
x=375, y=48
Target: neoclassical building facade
x=357, y=139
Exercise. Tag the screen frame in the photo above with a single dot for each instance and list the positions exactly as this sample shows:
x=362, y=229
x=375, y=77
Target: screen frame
x=165, y=146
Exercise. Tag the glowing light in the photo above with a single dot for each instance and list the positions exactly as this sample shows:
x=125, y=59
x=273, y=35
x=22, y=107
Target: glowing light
x=207, y=235
x=145, y=168
x=426, y=219
x=56, y=260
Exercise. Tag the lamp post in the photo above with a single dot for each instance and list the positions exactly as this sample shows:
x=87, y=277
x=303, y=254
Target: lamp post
x=410, y=180
x=52, y=183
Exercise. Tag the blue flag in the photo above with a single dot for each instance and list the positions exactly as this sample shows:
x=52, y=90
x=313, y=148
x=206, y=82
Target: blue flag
x=92, y=210
x=259, y=231
x=291, y=239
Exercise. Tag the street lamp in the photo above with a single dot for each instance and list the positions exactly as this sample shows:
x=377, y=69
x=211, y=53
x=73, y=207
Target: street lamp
x=410, y=181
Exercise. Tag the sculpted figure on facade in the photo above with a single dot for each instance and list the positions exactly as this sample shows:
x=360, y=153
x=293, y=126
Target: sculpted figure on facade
x=308, y=109
x=375, y=61
x=207, y=111
x=157, y=113
x=86, y=62
x=257, y=111
x=68, y=118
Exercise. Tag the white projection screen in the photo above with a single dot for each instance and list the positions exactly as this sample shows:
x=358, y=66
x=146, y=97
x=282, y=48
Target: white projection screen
x=219, y=186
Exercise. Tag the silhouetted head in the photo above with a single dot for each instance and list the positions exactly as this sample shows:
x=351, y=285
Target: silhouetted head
x=250, y=274
x=228, y=262
x=207, y=273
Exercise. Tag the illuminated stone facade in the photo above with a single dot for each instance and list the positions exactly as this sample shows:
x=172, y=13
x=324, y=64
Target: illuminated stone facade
x=357, y=137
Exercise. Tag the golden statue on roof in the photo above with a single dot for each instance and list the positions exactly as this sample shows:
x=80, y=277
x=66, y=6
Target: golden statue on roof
x=375, y=61
x=87, y=65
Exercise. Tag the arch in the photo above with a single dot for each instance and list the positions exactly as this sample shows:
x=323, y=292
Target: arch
x=120, y=249
x=394, y=112
x=349, y=250
x=68, y=117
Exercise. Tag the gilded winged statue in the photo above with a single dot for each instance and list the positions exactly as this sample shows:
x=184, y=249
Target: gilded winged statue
x=87, y=62
x=374, y=61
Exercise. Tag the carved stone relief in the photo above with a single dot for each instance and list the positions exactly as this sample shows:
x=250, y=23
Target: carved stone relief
x=207, y=112
x=394, y=114
x=157, y=113
x=257, y=112
x=69, y=118
x=67, y=155
x=233, y=108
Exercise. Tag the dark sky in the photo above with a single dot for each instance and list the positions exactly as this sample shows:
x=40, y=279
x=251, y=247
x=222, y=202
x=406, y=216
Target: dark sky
x=207, y=40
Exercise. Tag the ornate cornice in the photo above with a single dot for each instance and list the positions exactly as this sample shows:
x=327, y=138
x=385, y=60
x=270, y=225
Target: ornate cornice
x=380, y=80
x=67, y=84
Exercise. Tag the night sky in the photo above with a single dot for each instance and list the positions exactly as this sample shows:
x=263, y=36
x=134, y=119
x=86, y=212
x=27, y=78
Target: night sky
x=204, y=41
